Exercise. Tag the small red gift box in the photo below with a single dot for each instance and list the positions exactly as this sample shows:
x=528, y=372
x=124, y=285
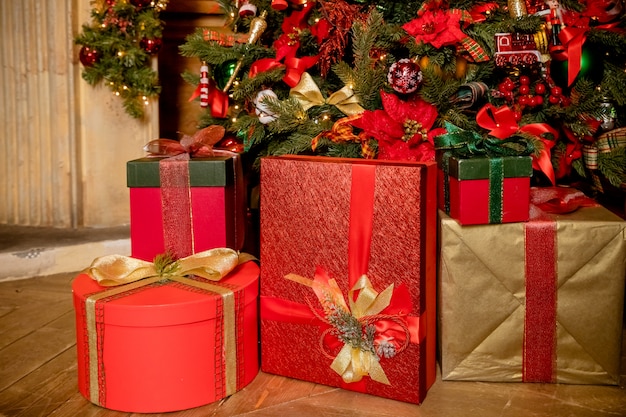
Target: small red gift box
x=185, y=206
x=158, y=345
x=485, y=190
x=366, y=230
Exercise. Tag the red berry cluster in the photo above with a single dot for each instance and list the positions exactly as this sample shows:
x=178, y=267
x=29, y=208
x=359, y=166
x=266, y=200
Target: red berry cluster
x=522, y=94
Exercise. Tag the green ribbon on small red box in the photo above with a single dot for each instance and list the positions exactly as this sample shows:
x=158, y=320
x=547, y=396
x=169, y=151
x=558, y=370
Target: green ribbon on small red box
x=504, y=138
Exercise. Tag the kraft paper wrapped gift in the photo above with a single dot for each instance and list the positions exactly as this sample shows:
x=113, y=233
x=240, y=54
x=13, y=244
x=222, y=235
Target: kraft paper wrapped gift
x=325, y=224
x=185, y=206
x=535, y=302
x=165, y=343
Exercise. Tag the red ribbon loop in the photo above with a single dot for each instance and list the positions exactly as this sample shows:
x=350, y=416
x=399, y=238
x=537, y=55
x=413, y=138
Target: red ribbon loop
x=294, y=68
x=500, y=122
x=572, y=38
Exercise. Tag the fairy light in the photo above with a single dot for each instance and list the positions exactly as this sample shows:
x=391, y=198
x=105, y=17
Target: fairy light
x=234, y=120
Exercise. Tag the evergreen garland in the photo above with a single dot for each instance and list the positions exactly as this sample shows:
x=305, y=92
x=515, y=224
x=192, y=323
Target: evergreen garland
x=376, y=39
x=117, y=49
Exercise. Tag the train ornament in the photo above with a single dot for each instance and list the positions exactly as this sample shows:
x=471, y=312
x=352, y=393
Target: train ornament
x=516, y=49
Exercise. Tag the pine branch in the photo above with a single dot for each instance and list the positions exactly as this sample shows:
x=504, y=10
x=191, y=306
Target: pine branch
x=613, y=166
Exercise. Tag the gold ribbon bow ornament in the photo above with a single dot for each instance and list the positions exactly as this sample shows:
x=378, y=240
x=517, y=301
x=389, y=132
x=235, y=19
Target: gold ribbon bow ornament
x=353, y=324
x=213, y=264
x=309, y=95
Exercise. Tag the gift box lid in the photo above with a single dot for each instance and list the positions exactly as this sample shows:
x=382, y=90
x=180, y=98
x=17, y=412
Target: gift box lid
x=478, y=167
x=216, y=171
x=169, y=303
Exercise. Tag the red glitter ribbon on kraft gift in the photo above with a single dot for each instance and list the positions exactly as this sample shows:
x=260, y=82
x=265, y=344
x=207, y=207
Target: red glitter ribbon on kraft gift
x=176, y=205
x=541, y=260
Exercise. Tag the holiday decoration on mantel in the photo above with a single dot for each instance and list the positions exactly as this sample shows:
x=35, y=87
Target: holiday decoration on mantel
x=117, y=49
x=562, y=64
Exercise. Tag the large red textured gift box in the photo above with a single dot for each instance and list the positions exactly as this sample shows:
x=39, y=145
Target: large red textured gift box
x=165, y=344
x=348, y=252
x=185, y=206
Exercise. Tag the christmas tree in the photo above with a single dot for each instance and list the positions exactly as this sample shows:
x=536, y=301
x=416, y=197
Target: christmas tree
x=385, y=79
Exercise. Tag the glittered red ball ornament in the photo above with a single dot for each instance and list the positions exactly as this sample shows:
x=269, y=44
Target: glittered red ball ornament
x=88, y=56
x=140, y=3
x=151, y=46
x=405, y=76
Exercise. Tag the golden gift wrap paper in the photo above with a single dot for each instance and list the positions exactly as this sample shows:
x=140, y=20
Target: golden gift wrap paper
x=482, y=298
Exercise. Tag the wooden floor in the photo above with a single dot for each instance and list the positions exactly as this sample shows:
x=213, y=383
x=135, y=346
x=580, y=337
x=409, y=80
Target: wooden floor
x=38, y=377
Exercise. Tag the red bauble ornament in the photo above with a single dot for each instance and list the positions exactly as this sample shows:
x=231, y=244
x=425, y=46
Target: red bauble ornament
x=151, y=46
x=140, y=3
x=405, y=76
x=279, y=4
x=230, y=143
x=88, y=56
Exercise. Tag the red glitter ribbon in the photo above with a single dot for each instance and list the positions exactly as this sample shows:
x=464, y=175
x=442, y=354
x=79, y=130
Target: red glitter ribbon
x=541, y=287
x=176, y=206
x=541, y=257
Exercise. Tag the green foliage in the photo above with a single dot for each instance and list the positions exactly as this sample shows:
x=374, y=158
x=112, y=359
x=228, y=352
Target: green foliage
x=123, y=65
x=375, y=40
x=613, y=166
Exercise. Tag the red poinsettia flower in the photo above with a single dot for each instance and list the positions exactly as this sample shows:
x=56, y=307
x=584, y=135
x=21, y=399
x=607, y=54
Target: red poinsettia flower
x=402, y=129
x=438, y=28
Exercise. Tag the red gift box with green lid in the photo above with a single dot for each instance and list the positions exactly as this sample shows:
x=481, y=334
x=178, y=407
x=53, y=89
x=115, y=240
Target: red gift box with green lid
x=185, y=205
x=485, y=190
x=484, y=174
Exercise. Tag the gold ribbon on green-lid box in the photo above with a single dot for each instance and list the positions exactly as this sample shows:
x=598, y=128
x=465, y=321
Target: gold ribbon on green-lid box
x=122, y=274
